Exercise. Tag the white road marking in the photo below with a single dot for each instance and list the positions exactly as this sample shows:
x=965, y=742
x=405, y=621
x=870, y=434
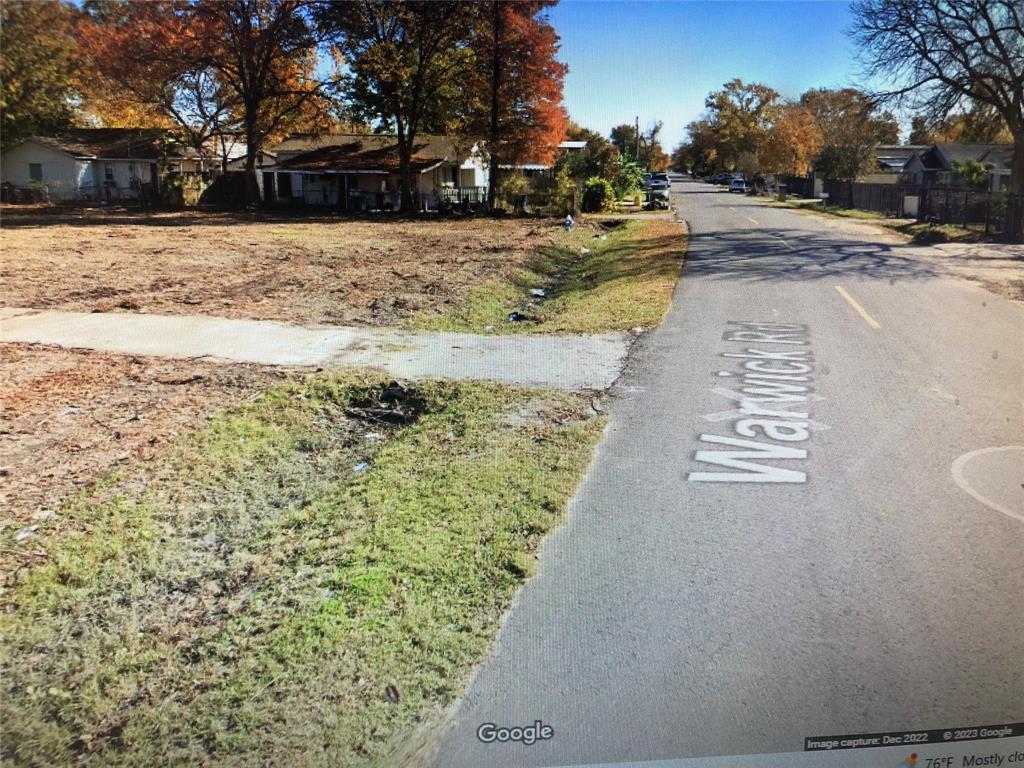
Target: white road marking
x=958, y=476
x=753, y=221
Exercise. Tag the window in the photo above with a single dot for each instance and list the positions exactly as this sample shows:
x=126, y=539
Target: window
x=108, y=172
x=35, y=171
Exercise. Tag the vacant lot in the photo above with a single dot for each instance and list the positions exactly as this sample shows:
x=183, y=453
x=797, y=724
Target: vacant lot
x=66, y=416
x=303, y=270
x=303, y=580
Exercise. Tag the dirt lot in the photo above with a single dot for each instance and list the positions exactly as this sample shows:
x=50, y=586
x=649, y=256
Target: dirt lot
x=69, y=415
x=299, y=269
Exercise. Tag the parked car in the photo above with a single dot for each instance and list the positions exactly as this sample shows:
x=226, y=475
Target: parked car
x=659, y=189
x=739, y=185
x=661, y=177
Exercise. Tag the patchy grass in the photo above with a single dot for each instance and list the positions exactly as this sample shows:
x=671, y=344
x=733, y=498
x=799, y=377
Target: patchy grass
x=612, y=275
x=294, y=583
x=814, y=206
x=918, y=232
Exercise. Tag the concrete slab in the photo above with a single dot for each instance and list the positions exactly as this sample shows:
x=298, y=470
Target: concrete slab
x=564, y=362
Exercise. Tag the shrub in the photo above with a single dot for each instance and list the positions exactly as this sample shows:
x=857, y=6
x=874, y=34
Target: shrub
x=562, y=194
x=598, y=195
x=512, y=191
x=628, y=179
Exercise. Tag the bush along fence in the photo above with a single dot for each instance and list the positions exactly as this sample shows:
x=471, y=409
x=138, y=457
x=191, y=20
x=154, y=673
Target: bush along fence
x=999, y=214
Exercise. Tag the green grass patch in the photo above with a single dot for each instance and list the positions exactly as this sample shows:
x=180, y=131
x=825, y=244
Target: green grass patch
x=609, y=277
x=252, y=598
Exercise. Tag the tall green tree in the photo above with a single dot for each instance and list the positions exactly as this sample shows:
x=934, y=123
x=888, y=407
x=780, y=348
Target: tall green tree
x=37, y=68
x=407, y=64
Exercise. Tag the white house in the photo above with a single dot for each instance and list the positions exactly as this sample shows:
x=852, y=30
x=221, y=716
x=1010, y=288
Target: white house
x=100, y=164
x=361, y=171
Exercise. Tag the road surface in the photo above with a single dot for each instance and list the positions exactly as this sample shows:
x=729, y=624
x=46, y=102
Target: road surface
x=754, y=560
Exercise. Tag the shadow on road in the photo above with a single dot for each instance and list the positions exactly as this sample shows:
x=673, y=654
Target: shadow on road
x=793, y=254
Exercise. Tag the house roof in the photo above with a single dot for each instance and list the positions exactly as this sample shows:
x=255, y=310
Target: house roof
x=441, y=147
x=369, y=153
x=998, y=155
x=895, y=156
x=572, y=145
x=120, y=143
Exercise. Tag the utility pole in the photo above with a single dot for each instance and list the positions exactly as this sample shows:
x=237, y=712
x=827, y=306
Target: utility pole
x=636, y=154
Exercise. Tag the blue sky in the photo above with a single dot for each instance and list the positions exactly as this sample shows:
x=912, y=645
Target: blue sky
x=659, y=60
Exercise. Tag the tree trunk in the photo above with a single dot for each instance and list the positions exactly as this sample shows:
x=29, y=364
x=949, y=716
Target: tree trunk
x=1016, y=200
x=252, y=151
x=498, y=30
x=405, y=168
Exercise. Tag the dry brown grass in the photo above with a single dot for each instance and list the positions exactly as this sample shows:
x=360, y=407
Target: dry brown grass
x=322, y=269
x=67, y=416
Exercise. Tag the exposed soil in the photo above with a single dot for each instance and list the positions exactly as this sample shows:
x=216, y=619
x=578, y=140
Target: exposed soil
x=324, y=269
x=70, y=415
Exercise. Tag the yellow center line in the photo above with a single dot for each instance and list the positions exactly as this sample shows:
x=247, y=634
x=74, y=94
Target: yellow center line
x=858, y=308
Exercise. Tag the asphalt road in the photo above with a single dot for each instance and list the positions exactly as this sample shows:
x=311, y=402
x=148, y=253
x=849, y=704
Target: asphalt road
x=865, y=574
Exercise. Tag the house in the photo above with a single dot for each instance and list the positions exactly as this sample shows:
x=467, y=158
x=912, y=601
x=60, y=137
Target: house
x=933, y=166
x=531, y=169
x=99, y=164
x=890, y=161
x=361, y=171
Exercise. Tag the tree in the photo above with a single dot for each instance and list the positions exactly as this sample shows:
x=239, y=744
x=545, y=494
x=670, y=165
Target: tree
x=598, y=158
x=681, y=160
x=652, y=155
x=627, y=141
x=973, y=172
x=407, y=63
x=264, y=55
x=850, y=131
x=36, y=69
x=212, y=65
x=791, y=143
x=702, y=148
x=920, y=133
x=519, y=79
x=887, y=129
x=630, y=178
x=940, y=55
x=143, y=70
x=740, y=115
x=644, y=149
x=979, y=125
